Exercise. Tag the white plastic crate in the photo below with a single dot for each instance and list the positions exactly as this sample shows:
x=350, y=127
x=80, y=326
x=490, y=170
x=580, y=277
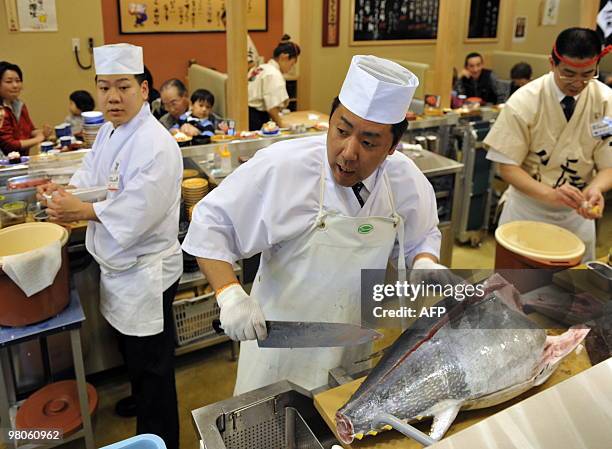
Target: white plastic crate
x=193, y=318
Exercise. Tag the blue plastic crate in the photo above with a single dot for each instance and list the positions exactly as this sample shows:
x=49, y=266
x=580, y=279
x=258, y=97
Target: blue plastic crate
x=144, y=441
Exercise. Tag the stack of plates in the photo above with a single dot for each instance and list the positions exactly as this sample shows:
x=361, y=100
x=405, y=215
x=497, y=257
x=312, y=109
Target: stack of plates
x=92, y=121
x=193, y=190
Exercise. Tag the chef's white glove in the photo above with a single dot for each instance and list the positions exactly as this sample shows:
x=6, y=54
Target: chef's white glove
x=427, y=271
x=241, y=317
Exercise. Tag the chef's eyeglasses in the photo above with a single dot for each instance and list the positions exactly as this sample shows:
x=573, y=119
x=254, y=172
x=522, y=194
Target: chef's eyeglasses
x=582, y=78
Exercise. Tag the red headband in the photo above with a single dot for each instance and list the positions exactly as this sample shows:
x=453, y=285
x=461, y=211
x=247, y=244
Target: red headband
x=593, y=60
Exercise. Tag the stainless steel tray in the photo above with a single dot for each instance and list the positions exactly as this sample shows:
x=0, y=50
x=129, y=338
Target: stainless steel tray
x=278, y=416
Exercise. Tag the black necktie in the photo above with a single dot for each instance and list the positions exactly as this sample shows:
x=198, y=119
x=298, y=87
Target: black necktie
x=568, y=104
x=356, y=189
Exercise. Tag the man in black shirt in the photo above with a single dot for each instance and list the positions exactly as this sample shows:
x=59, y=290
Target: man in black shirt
x=476, y=81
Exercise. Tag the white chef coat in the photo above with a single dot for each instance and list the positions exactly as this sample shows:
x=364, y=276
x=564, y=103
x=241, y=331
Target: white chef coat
x=532, y=132
x=274, y=197
x=267, y=88
x=140, y=218
x=532, y=121
x=496, y=156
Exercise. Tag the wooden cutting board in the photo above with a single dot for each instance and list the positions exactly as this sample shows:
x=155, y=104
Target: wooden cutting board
x=328, y=402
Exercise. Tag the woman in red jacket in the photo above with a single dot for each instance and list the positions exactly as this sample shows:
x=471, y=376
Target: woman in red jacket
x=17, y=132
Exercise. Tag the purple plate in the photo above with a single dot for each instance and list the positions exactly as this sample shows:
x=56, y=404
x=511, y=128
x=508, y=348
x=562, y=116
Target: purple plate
x=24, y=159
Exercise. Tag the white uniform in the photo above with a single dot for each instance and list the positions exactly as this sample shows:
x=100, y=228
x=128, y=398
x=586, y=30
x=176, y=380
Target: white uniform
x=285, y=203
x=532, y=132
x=135, y=242
x=267, y=87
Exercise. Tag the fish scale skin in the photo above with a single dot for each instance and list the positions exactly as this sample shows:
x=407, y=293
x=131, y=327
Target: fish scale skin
x=431, y=375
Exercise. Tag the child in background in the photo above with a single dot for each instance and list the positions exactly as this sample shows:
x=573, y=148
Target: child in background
x=80, y=101
x=520, y=74
x=199, y=122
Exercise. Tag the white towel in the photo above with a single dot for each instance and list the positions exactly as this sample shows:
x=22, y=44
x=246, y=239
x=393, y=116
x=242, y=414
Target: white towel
x=34, y=270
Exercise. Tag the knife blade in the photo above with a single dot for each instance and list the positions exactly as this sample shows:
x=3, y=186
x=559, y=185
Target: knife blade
x=304, y=334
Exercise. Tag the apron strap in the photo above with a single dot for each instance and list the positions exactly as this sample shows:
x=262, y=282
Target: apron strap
x=401, y=259
x=321, y=215
x=322, y=185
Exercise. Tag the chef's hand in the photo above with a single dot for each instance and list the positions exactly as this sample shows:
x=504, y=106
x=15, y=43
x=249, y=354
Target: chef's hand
x=566, y=195
x=241, y=317
x=46, y=189
x=190, y=130
x=428, y=271
x=593, y=204
x=64, y=207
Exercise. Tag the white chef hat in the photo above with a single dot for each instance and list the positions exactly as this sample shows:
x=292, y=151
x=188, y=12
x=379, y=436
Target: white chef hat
x=377, y=89
x=118, y=59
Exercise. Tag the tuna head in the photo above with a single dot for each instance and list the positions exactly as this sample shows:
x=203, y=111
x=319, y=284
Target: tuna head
x=410, y=391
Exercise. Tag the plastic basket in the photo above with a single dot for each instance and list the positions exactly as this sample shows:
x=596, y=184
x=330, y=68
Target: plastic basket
x=193, y=318
x=144, y=441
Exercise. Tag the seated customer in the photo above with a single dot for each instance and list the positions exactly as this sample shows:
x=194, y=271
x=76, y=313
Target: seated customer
x=17, y=132
x=520, y=74
x=80, y=101
x=476, y=81
x=175, y=100
x=199, y=122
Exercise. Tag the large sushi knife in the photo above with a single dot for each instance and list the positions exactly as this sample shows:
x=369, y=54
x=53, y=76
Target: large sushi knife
x=304, y=334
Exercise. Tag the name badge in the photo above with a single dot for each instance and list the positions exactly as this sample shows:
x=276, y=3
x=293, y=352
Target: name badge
x=602, y=128
x=113, y=179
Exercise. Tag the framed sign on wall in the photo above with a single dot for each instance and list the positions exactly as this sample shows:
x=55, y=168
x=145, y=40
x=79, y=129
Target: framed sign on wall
x=483, y=20
x=331, y=23
x=184, y=16
x=383, y=22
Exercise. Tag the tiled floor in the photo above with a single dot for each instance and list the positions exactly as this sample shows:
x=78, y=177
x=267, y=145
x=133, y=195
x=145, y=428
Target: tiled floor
x=207, y=376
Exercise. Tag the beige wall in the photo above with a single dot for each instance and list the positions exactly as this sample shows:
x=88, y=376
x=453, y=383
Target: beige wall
x=49, y=67
x=540, y=39
x=321, y=78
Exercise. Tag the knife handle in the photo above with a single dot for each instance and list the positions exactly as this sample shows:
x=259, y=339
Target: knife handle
x=216, y=324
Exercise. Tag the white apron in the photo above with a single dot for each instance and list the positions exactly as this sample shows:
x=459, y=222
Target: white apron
x=316, y=277
x=518, y=206
x=131, y=294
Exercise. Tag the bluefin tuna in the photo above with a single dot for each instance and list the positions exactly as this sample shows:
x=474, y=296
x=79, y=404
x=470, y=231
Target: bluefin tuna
x=481, y=353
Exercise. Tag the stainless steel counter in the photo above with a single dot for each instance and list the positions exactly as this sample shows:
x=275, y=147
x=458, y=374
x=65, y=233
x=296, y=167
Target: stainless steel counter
x=432, y=164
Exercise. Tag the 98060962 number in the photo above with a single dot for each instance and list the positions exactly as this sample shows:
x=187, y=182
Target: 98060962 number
x=32, y=435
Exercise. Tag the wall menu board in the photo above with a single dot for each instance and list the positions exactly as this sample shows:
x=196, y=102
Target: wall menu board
x=484, y=17
x=380, y=22
x=184, y=16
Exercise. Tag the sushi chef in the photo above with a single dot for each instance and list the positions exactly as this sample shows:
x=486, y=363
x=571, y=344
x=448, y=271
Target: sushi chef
x=132, y=234
x=551, y=143
x=319, y=209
